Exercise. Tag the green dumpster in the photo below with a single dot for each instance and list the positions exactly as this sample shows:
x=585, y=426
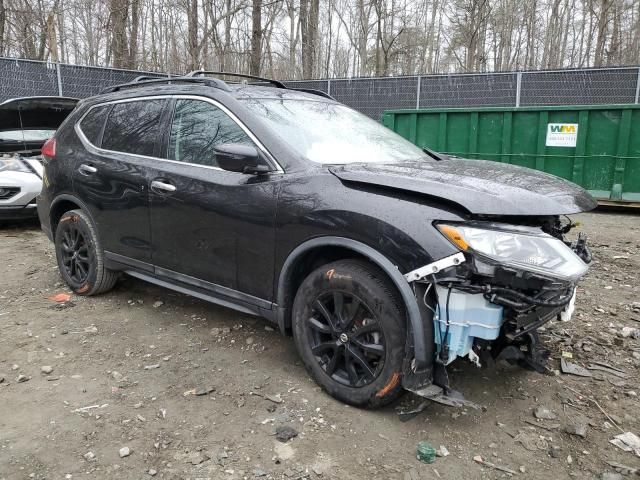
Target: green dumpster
x=596, y=146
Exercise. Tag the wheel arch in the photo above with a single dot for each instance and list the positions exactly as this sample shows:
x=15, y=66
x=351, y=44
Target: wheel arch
x=63, y=203
x=289, y=280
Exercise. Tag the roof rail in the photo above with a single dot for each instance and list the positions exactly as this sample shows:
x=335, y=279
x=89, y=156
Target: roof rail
x=141, y=78
x=209, y=82
x=312, y=91
x=277, y=83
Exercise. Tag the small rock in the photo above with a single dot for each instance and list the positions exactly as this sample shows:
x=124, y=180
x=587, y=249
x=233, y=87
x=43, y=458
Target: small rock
x=15, y=367
x=268, y=328
x=22, y=378
x=152, y=367
x=158, y=304
x=543, y=413
x=46, y=369
x=91, y=329
x=116, y=376
x=125, y=452
x=442, y=451
x=522, y=469
x=152, y=472
x=215, y=332
x=576, y=428
x=204, y=391
x=630, y=332
x=258, y=472
x=285, y=433
x=631, y=393
x=249, y=340
x=89, y=456
x=478, y=459
x=199, y=458
x=555, y=451
x=611, y=476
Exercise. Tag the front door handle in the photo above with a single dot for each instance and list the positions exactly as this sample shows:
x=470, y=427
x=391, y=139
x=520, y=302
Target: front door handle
x=87, y=169
x=163, y=186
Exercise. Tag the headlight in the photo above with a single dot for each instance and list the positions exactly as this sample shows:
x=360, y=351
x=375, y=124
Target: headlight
x=520, y=247
x=13, y=164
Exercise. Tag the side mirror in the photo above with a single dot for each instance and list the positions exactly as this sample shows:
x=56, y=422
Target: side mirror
x=236, y=157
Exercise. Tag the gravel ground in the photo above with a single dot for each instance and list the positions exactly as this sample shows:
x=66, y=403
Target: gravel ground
x=186, y=389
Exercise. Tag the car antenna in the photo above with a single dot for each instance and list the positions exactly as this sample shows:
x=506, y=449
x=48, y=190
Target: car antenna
x=24, y=141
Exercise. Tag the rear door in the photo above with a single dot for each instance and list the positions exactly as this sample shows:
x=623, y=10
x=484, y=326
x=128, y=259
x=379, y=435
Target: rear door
x=111, y=174
x=210, y=227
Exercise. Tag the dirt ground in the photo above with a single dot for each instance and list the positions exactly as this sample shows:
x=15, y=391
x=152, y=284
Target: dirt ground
x=126, y=370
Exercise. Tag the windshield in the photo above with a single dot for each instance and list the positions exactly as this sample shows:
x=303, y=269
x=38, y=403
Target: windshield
x=26, y=135
x=332, y=133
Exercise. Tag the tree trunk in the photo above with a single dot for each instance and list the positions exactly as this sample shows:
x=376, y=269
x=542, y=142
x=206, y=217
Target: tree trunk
x=133, y=44
x=118, y=17
x=256, y=37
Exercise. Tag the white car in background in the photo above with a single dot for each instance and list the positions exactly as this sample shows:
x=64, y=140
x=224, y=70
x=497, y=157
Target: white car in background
x=25, y=124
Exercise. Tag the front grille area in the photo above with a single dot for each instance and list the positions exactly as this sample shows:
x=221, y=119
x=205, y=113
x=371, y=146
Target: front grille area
x=8, y=192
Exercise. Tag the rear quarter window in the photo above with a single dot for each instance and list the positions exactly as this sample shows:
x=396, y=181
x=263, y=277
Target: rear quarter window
x=134, y=127
x=91, y=125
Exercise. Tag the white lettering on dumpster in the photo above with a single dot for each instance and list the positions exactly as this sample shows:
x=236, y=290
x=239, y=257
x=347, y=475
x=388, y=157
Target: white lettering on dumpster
x=562, y=134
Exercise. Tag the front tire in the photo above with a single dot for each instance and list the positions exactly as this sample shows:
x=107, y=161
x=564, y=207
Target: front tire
x=80, y=255
x=350, y=331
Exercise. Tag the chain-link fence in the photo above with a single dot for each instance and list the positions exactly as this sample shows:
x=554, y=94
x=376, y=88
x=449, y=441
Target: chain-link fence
x=371, y=96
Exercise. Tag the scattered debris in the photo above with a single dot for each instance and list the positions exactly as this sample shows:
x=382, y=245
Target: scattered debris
x=478, y=459
x=543, y=413
x=271, y=398
x=577, y=428
x=629, y=442
x=573, y=369
x=285, y=433
x=60, y=297
x=442, y=451
x=607, y=369
x=425, y=452
x=624, y=469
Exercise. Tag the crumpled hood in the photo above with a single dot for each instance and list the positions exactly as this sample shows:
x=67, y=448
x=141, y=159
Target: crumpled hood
x=481, y=187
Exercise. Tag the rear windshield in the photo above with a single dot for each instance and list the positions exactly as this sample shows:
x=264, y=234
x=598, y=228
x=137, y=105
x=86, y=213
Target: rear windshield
x=331, y=133
x=26, y=135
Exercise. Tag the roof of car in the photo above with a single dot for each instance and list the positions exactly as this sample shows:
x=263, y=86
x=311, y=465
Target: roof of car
x=254, y=87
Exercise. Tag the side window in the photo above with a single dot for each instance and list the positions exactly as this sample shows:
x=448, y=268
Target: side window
x=91, y=125
x=196, y=128
x=134, y=127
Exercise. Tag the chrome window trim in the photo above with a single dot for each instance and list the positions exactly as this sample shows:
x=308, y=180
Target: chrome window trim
x=101, y=151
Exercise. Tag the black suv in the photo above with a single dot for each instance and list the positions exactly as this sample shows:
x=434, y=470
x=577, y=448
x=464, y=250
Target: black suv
x=384, y=260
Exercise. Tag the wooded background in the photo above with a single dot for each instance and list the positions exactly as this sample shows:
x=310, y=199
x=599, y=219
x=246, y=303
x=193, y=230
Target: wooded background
x=294, y=39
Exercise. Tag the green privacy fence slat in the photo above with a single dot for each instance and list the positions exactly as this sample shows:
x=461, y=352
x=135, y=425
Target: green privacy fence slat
x=602, y=153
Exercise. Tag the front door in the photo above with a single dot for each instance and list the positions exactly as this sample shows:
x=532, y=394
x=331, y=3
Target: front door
x=210, y=227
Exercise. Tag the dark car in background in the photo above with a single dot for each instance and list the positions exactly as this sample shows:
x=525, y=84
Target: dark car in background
x=385, y=262
x=25, y=124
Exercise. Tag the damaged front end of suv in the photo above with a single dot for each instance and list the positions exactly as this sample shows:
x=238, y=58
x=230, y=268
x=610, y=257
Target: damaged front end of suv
x=488, y=300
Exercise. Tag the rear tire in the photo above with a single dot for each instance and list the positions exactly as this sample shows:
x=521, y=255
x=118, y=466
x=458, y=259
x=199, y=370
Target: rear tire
x=80, y=255
x=350, y=330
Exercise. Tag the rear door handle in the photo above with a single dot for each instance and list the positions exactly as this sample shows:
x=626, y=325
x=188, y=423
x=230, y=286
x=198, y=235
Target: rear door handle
x=162, y=186
x=87, y=169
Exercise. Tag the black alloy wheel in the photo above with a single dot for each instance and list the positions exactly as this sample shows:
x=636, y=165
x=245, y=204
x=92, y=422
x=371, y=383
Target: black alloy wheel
x=349, y=326
x=80, y=256
x=346, y=339
x=75, y=253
